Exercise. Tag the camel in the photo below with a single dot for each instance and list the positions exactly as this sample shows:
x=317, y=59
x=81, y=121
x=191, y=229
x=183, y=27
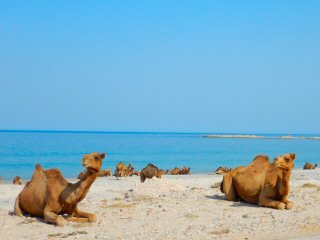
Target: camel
x=309, y=166
x=137, y=173
x=17, y=180
x=130, y=170
x=50, y=195
x=222, y=170
x=175, y=171
x=105, y=173
x=262, y=182
x=162, y=172
x=121, y=170
x=185, y=171
x=149, y=171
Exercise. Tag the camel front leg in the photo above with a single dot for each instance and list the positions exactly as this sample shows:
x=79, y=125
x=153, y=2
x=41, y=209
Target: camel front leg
x=289, y=204
x=52, y=217
x=90, y=216
x=227, y=188
x=266, y=201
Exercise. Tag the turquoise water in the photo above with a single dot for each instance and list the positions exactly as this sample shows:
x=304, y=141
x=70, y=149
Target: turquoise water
x=20, y=151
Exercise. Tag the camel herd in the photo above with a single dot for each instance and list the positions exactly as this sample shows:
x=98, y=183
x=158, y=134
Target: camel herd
x=50, y=195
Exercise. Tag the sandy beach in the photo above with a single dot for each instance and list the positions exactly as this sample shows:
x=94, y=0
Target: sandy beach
x=174, y=207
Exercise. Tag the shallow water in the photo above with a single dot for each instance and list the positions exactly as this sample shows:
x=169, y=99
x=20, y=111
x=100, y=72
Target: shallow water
x=20, y=151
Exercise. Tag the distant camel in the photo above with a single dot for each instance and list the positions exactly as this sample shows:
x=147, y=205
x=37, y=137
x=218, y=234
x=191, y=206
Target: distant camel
x=262, y=182
x=105, y=173
x=50, y=195
x=149, y=171
x=175, y=171
x=222, y=170
x=17, y=180
x=137, y=173
x=185, y=171
x=309, y=166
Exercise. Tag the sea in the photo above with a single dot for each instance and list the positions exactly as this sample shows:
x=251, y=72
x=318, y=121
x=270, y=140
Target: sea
x=20, y=151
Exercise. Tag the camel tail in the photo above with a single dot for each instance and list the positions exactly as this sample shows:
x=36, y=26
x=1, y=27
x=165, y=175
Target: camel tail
x=17, y=209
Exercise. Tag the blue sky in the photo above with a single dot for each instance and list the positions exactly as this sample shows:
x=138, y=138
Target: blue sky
x=182, y=66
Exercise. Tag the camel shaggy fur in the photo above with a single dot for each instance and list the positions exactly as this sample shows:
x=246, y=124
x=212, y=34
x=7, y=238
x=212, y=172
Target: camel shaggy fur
x=262, y=182
x=309, y=166
x=50, y=195
x=149, y=171
x=17, y=180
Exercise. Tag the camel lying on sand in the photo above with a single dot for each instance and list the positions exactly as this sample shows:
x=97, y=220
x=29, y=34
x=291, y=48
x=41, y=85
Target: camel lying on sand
x=17, y=180
x=185, y=171
x=309, y=166
x=162, y=172
x=262, y=182
x=149, y=171
x=49, y=194
x=137, y=173
x=122, y=170
x=222, y=170
x=175, y=171
x=105, y=173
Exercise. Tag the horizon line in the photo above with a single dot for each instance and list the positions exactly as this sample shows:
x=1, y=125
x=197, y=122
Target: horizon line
x=142, y=132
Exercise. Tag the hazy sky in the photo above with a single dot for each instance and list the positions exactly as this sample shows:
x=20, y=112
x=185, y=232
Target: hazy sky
x=192, y=66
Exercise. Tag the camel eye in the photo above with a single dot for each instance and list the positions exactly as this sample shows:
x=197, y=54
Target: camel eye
x=96, y=158
x=287, y=160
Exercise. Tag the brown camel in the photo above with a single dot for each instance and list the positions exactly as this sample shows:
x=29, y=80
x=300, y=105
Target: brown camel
x=149, y=171
x=162, y=172
x=105, y=173
x=175, y=171
x=222, y=170
x=130, y=170
x=309, y=166
x=185, y=171
x=82, y=174
x=50, y=195
x=17, y=180
x=262, y=182
x=121, y=170
x=137, y=173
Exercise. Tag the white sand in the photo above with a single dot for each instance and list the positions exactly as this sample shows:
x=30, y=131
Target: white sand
x=175, y=207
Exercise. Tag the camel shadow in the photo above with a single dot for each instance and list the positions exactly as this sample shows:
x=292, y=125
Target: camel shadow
x=216, y=197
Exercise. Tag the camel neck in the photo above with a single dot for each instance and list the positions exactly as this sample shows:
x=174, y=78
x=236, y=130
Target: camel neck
x=82, y=187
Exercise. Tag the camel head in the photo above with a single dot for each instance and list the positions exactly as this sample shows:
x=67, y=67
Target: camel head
x=285, y=162
x=93, y=161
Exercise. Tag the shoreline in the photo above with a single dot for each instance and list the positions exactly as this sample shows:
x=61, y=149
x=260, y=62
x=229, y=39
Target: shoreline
x=245, y=136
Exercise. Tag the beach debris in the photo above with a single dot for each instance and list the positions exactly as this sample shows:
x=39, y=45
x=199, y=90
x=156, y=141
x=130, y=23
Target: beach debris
x=51, y=194
x=17, y=180
x=309, y=166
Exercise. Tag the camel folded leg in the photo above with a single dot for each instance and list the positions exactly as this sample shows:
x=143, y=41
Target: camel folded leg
x=266, y=201
x=289, y=204
x=228, y=188
x=90, y=217
x=17, y=209
x=52, y=217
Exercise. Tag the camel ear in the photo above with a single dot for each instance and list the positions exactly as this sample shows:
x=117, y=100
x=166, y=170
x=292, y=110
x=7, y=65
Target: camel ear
x=103, y=155
x=293, y=156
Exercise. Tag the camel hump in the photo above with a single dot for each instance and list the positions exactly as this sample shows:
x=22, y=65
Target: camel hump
x=39, y=167
x=53, y=173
